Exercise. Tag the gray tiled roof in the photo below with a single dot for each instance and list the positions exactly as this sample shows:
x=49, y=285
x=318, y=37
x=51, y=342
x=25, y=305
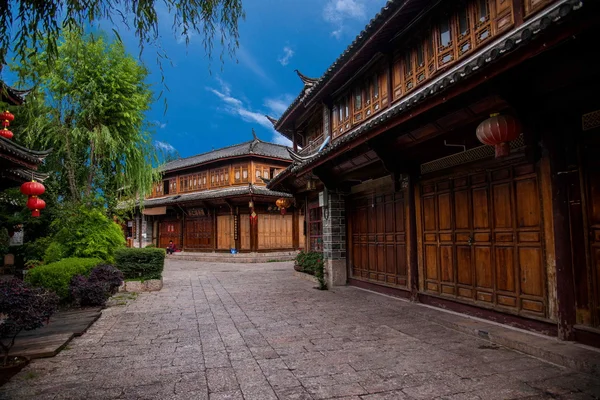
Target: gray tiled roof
x=214, y=194
x=506, y=43
x=252, y=147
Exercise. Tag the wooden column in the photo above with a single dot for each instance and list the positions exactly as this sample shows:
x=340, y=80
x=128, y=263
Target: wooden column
x=214, y=230
x=295, y=229
x=413, y=259
x=554, y=148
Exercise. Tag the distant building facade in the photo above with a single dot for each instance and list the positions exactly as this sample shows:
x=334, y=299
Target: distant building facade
x=218, y=201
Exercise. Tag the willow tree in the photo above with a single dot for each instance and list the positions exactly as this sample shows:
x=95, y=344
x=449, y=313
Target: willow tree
x=30, y=24
x=89, y=107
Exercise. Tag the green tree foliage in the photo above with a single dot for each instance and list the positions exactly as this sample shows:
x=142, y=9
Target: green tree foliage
x=89, y=107
x=84, y=232
x=23, y=22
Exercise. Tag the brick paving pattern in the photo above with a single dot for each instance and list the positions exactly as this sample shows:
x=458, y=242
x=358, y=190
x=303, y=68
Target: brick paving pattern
x=218, y=331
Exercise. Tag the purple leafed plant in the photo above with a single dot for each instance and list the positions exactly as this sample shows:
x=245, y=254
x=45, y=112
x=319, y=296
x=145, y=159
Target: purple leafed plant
x=22, y=307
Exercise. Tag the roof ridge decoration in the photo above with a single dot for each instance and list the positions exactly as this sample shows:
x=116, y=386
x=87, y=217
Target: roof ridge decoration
x=305, y=79
x=271, y=119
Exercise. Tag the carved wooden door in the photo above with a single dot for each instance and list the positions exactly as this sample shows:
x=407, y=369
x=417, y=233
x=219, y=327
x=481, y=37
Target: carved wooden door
x=245, y=232
x=377, y=227
x=169, y=230
x=224, y=234
x=275, y=231
x=482, y=239
x=199, y=233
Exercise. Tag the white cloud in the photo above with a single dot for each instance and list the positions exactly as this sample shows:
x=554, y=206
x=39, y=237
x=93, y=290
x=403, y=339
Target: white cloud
x=161, y=125
x=288, y=53
x=278, y=105
x=337, y=12
x=248, y=60
x=164, y=146
x=236, y=107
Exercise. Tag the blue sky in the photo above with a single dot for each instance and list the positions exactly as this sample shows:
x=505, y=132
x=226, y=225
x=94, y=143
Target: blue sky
x=217, y=108
x=208, y=111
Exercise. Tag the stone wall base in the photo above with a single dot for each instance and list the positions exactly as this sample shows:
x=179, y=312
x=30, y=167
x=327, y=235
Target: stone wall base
x=151, y=285
x=335, y=272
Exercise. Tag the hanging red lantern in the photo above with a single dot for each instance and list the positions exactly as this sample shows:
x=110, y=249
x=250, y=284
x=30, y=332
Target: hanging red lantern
x=498, y=131
x=7, y=117
x=5, y=133
x=35, y=204
x=282, y=204
x=32, y=188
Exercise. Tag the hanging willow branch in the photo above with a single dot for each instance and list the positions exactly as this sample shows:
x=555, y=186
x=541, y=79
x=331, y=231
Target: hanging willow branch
x=23, y=21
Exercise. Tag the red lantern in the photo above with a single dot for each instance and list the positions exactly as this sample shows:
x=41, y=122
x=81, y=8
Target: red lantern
x=7, y=116
x=497, y=131
x=35, y=204
x=32, y=188
x=5, y=133
x=283, y=203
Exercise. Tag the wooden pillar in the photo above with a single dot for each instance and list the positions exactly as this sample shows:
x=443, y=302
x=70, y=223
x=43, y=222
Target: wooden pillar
x=295, y=229
x=413, y=259
x=214, y=230
x=554, y=143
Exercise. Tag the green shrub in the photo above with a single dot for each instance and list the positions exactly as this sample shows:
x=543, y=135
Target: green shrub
x=312, y=262
x=151, y=245
x=142, y=264
x=85, y=232
x=55, y=252
x=57, y=276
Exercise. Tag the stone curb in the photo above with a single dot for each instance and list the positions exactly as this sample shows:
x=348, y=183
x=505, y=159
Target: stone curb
x=151, y=285
x=306, y=277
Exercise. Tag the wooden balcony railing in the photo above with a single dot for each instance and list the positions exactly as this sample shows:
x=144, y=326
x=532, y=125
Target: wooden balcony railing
x=312, y=145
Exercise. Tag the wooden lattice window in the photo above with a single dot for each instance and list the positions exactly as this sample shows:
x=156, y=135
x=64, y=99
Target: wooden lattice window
x=261, y=171
x=532, y=6
x=341, y=115
x=240, y=173
x=315, y=227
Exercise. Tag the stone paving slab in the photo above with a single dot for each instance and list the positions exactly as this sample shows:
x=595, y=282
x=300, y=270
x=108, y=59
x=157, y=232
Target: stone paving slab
x=218, y=331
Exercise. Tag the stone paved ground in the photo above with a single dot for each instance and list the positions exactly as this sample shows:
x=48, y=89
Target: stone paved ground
x=219, y=331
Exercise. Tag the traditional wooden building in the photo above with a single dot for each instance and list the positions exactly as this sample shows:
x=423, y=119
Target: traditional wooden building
x=18, y=164
x=404, y=197
x=218, y=201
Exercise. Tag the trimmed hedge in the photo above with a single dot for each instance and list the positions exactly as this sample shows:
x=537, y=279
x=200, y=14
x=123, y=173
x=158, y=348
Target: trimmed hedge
x=57, y=276
x=144, y=264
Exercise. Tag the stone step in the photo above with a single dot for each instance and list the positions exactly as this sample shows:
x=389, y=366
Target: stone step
x=235, y=258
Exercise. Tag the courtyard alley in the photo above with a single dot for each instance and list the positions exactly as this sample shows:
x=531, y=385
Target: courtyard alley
x=235, y=331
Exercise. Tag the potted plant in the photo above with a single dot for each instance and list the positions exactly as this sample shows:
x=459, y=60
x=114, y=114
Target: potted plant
x=22, y=307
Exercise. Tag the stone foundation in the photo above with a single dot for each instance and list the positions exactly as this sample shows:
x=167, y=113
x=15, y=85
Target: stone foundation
x=152, y=285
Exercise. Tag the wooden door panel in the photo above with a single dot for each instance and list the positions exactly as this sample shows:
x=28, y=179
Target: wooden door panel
x=505, y=277
x=199, y=233
x=378, y=238
x=528, y=204
x=464, y=265
x=444, y=212
x=530, y=265
x=169, y=230
x=224, y=232
x=245, y=231
x=480, y=209
x=462, y=210
x=483, y=267
x=502, y=206
x=274, y=231
x=446, y=263
x=302, y=237
x=482, y=238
